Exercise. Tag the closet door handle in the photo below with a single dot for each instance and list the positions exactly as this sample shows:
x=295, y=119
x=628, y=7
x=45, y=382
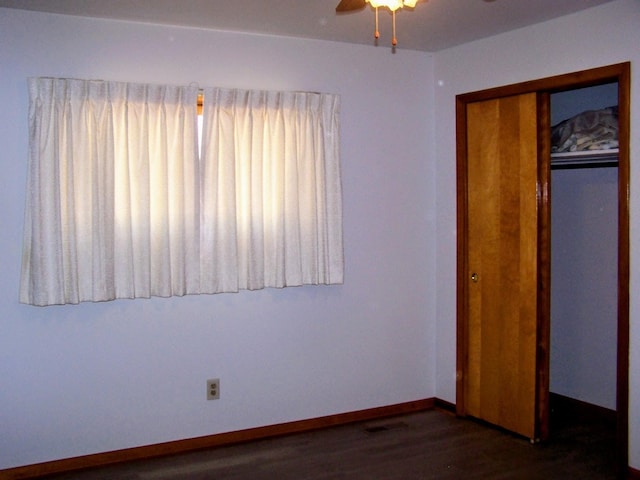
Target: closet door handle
x=474, y=277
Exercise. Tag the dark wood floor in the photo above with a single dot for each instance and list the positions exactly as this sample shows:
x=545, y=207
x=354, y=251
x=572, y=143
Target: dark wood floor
x=427, y=445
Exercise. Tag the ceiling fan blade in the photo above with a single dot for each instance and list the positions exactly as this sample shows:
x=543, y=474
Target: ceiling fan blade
x=350, y=5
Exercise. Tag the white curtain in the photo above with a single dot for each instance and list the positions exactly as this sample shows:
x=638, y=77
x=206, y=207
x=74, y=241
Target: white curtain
x=272, y=199
x=113, y=192
x=120, y=206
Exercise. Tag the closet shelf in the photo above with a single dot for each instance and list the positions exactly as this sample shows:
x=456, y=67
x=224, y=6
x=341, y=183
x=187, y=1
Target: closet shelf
x=586, y=158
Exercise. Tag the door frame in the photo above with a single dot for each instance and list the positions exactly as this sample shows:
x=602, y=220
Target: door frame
x=544, y=87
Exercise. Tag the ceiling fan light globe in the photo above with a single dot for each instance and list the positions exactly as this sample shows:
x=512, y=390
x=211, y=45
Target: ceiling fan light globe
x=392, y=5
x=410, y=3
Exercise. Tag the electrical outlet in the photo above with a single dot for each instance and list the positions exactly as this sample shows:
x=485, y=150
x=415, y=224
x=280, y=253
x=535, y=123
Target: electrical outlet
x=213, y=389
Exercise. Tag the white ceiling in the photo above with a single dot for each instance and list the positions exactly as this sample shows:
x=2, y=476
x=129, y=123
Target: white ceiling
x=431, y=26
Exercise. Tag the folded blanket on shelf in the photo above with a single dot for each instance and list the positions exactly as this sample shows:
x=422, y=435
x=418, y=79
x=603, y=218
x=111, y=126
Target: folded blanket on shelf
x=590, y=130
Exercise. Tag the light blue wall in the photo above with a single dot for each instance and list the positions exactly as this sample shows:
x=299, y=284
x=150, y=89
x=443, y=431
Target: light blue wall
x=584, y=284
x=99, y=377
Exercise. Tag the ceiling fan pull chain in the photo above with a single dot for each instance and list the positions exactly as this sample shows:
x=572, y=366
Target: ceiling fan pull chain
x=394, y=41
x=377, y=33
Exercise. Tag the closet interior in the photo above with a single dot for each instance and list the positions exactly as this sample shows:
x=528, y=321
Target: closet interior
x=584, y=250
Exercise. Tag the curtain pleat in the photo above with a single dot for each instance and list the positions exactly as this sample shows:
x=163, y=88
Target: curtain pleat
x=113, y=204
x=120, y=206
x=272, y=199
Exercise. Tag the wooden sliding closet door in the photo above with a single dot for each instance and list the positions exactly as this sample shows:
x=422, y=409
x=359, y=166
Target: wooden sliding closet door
x=501, y=262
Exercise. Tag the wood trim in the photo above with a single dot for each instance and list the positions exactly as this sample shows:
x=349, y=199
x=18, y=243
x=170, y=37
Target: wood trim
x=622, y=402
x=462, y=346
x=633, y=474
x=212, y=441
x=579, y=411
x=444, y=405
x=543, y=306
x=568, y=81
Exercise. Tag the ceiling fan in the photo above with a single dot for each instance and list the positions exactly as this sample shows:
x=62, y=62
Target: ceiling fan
x=352, y=5
x=392, y=5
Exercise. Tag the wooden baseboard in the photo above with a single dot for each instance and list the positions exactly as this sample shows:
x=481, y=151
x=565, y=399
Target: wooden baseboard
x=444, y=405
x=577, y=410
x=210, y=441
x=633, y=474
x=570, y=410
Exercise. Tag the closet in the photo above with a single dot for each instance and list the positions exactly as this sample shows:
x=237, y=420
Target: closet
x=584, y=245
x=543, y=251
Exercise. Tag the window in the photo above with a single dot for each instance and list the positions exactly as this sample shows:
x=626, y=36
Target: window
x=121, y=204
